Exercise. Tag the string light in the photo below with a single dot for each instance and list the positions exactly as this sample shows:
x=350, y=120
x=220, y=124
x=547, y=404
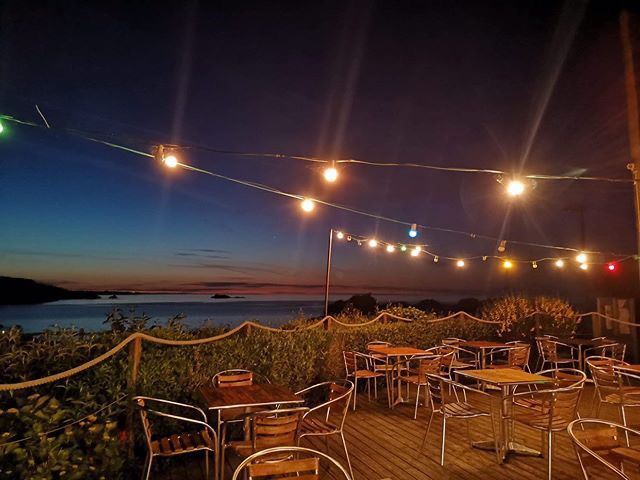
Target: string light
x=435, y=259
x=460, y=263
x=171, y=161
x=503, y=246
x=413, y=231
x=331, y=173
x=415, y=251
x=1, y=127
x=484, y=258
x=307, y=205
x=340, y=235
x=507, y=264
x=582, y=258
x=612, y=267
x=534, y=264
x=373, y=243
x=403, y=248
x=391, y=248
x=515, y=188
x=584, y=266
x=559, y=263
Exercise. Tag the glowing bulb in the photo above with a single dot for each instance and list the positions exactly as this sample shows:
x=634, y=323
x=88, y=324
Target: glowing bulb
x=559, y=263
x=584, y=266
x=581, y=258
x=340, y=235
x=413, y=231
x=391, y=248
x=534, y=265
x=330, y=174
x=515, y=188
x=307, y=205
x=460, y=263
x=415, y=251
x=507, y=264
x=435, y=259
x=611, y=267
x=373, y=243
x=403, y=248
x=170, y=161
x=1, y=127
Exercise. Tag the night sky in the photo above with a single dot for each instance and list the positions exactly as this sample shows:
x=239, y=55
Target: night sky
x=524, y=87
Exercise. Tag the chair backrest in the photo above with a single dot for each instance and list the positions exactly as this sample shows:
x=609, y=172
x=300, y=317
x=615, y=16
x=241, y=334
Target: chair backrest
x=605, y=378
x=565, y=377
x=276, y=428
x=378, y=343
x=615, y=350
x=146, y=423
x=233, y=378
x=452, y=341
x=436, y=395
x=563, y=406
x=548, y=348
x=518, y=355
x=302, y=463
x=593, y=440
x=350, y=362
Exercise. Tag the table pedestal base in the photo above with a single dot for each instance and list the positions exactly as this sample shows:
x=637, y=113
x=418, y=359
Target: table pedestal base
x=514, y=448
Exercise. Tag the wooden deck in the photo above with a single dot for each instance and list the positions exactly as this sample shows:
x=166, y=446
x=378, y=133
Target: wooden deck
x=384, y=444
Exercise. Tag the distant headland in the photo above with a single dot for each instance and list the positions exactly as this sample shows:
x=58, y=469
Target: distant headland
x=24, y=291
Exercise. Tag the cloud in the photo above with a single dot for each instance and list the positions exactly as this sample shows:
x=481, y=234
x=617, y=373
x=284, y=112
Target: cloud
x=198, y=255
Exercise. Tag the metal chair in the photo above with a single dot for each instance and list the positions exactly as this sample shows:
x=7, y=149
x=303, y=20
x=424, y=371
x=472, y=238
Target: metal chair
x=419, y=367
x=328, y=418
x=614, y=387
x=449, y=407
x=548, y=350
x=204, y=440
x=358, y=366
x=599, y=447
x=611, y=349
x=272, y=428
x=259, y=465
x=564, y=378
x=517, y=356
x=551, y=412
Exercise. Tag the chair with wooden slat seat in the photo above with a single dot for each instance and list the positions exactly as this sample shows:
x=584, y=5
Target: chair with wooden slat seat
x=327, y=418
x=600, y=448
x=419, y=367
x=454, y=358
x=549, y=349
x=551, y=412
x=272, y=428
x=517, y=356
x=203, y=440
x=299, y=463
x=452, y=407
x=564, y=378
x=358, y=366
x=613, y=386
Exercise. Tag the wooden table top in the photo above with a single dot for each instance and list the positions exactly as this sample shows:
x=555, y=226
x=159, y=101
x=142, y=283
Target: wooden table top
x=396, y=351
x=585, y=342
x=631, y=368
x=480, y=344
x=256, y=395
x=505, y=376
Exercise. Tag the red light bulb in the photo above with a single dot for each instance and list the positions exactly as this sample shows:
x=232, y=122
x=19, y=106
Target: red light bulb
x=611, y=267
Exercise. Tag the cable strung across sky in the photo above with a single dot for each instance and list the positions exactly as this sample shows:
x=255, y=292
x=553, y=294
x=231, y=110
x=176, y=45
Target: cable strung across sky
x=167, y=154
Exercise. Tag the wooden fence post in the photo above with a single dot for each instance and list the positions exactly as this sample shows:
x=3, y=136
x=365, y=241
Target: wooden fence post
x=327, y=323
x=135, y=353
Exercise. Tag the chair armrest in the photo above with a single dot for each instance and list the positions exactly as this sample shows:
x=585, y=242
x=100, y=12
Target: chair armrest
x=206, y=426
x=169, y=402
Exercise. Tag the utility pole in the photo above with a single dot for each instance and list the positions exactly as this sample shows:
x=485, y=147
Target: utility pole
x=633, y=117
x=328, y=277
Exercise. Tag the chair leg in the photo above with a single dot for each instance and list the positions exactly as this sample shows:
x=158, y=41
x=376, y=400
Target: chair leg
x=444, y=437
x=222, y=452
x=206, y=464
x=375, y=388
x=369, y=388
x=355, y=392
x=415, y=412
x=549, y=453
x=147, y=473
x=426, y=434
x=623, y=416
x=346, y=454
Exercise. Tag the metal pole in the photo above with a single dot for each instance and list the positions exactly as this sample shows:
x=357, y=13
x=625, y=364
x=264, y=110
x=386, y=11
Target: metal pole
x=326, y=285
x=633, y=118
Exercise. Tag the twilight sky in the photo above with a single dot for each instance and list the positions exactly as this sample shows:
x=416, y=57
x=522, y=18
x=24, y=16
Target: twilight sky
x=526, y=87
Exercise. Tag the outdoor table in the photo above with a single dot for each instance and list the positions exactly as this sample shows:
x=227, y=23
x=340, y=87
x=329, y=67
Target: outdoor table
x=395, y=353
x=506, y=379
x=246, y=397
x=481, y=346
x=582, y=344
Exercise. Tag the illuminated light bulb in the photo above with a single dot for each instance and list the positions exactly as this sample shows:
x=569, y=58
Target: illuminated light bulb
x=170, y=161
x=307, y=205
x=373, y=243
x=415, y=251
x=507, y=264
x=340, y=235
x=1, y=127
x=435, y=259
x=534, y=265
x=403, y=248
x=559, y=263
x=584, y=266
x=460, y=263
x=331, y=173
x=612, y=267
x=359, y=243
x=484, y=258
x=391, y=248
x=515, y=188
x=349, y=238
x=413, y=231
x=581, y=257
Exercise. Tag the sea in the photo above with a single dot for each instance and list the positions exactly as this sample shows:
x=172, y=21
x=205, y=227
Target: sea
x=198, y=309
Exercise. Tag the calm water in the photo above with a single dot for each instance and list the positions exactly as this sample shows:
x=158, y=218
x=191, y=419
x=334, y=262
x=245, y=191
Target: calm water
x=90, y=314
